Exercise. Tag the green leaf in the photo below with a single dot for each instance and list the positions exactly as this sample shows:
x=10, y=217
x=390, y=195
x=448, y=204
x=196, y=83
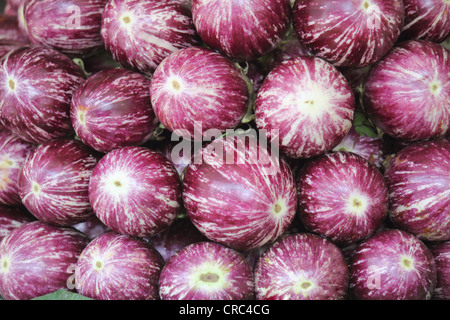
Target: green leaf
x=366, y=131
x=62, y=294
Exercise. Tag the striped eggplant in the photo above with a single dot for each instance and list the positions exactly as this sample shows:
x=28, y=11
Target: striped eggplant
x=426, y=20
x=206, y=271
x=348, y=33
x=309, y=102
x=135, y=191
x=118, y=267
x=301, y=266
x=12, y=218
x=36, y=86
x=441, y=254
x=239, y=193
x=418, y=181
x=342, y=197
x=112, y=109
x=407, y=94
x=242, y=30
x=70, y=26
x=198, y=86
x=53, y=181
x=392, y=265
x=140, y=34
x=13, y=152
x=37, y=259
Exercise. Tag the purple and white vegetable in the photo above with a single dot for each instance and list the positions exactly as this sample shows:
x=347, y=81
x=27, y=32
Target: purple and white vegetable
x=392, y=265
x=309, y=103
x=53, y=181
x=12, y=218
x=239, y=194
x=426, y=20
x=441, y=254
x=418, y=180
x=70, y=26
x=301, y=266
x=135, y=191
x=118, y=267
x=180, y=234
x=242, y=30
x=407, y=93
x=13, y=152
x=198, y=86
x=206, y=271
x=342, y=197
x=36, y=259
x=371, y=149
x=350, y=33
x=112, y=109
x=36, y=85
x=140, y=34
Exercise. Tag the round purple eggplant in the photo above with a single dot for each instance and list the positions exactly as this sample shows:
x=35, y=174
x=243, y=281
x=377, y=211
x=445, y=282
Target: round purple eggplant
x=70, y=26
x=407, y=94
x=112, y=109
x=392, y=265
x=239, y=193
x=13, y=152
x=348, y=33
x=418, y=180
x=118, y=267
x=36, y=86
x=36, y=259
x=206, y=271
x=135, y=191
x=301, y=266
x=141, y=34
x=54, y=179
x=342, y=197
x=242, y=30
x=199, y=88
x=307, y=104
